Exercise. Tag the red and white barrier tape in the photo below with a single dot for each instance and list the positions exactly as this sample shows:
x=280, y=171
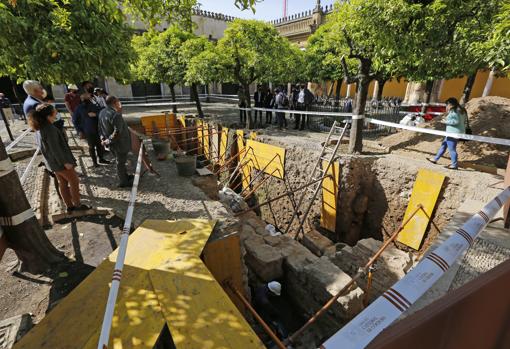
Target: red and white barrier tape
x=119, y=263
x=387, y=308
x=17, y=140
x=29, y=167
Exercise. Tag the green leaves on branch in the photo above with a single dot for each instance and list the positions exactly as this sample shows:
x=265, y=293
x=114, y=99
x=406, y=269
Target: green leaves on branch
x=64, y=41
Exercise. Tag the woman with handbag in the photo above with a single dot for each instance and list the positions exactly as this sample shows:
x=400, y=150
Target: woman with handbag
x=455, y=122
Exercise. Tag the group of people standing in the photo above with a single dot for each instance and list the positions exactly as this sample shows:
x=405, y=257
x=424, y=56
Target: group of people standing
x=96, y=118
x=300, y=99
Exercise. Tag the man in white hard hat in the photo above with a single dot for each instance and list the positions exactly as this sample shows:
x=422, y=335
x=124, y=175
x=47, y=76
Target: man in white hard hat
x=262, y=302
x=72, y=98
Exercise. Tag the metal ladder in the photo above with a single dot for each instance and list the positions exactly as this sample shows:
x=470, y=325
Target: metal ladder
x=318, y=174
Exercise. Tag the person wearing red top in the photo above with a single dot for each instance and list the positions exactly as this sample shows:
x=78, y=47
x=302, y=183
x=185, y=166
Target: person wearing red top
x=72, y=98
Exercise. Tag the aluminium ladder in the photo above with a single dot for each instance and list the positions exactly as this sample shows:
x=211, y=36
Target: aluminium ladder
x=318, y=174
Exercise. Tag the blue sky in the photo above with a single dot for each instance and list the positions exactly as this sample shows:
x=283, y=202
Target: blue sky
x=265, y=10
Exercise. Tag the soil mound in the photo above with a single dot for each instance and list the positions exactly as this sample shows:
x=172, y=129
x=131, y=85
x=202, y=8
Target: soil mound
x=488, y=116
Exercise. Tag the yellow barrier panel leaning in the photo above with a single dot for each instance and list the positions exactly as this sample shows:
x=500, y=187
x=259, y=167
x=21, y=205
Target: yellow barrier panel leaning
x=330, y=196
x=267, y=158
x=243, y=156
x=206, y=141
x=159, y=253
x=200, y=136
x=223, y=145
x=426, y=190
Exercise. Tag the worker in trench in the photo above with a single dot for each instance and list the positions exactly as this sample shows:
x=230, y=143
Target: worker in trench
x=263, y=303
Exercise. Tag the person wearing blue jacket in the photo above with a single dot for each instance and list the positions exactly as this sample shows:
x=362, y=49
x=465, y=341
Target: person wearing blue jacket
x=455, y=122
x=85, y=120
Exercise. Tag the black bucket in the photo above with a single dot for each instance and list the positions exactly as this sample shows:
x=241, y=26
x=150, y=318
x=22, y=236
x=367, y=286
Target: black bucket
x=186, y=165
x=161, y=148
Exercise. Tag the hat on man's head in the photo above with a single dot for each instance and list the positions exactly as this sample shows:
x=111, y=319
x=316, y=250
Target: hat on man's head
x=72, y=87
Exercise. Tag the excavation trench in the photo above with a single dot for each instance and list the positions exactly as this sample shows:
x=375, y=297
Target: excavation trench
x=374, y=191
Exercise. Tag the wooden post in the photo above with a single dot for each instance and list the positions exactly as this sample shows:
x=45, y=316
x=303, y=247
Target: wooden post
x=19, y=224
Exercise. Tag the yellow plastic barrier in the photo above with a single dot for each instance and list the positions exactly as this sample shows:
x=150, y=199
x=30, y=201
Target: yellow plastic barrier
x=163, y=280
x=223, y=145
x=329, y=196
x=426, y=190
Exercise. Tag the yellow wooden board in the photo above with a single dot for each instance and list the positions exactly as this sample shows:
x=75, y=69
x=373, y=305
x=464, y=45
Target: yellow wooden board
x=223, y=145
x=76, y=321
x=267, y=158
x=329, y=196
x=426, y=190
x=148, y=123
x=223, y=259
x=197, y=310
x=200, y=137
x=207, y=140
x=253, y=135
x=182, y=120
x=245, y=158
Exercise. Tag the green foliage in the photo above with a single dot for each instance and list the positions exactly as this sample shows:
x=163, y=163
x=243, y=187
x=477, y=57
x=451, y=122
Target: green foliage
x=497, y=48
x=206, y=67
x=63, y=41
x=172, y=11
x=158, y=58
x=324, y=55
x=253, y=51
x=190, y=54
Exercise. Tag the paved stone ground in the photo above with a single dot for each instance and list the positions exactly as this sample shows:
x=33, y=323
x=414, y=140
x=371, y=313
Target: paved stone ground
x=482, y=257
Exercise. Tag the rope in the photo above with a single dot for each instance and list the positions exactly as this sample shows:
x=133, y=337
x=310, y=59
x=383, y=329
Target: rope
x=119, y=263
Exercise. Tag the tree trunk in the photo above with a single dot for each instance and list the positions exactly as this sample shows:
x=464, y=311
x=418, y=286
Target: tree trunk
x=27, y=239
x=428, y=94
x=330, y=92
x=247, y=96
x=355, y=138
x=338, y=89
x=172, y=93
x=381, y=83
x=194, y=92
x=488, y=85
x=468, y=87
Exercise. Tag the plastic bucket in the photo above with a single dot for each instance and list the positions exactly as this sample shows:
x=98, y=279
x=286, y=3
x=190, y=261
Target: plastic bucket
x=161, y=148
x=186, y=165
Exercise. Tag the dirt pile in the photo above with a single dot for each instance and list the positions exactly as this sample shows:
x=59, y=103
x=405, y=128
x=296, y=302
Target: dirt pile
x=488, y=116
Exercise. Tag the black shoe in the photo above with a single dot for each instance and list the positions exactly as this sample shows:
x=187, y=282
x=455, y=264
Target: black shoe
x=82, y=207
x=104, y=161
x=432, y=161
x=451, y=167
x=70, y=209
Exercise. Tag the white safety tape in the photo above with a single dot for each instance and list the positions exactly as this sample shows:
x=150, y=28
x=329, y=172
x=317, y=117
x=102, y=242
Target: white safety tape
x=156, y=104
x=491, y=140
x=24, y=176
x=6, y=167
x=17, y=219
x=119, y=262
x=358, y=117
x=16, y=141
x=289, y=111
x=389, y=307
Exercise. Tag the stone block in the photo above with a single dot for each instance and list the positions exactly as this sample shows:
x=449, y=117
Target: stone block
x=262, y=231
x=264, y=260
x=272, y=240
x=295, y=263
x=12, y=329
x=316, y=242
x=325, y=280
